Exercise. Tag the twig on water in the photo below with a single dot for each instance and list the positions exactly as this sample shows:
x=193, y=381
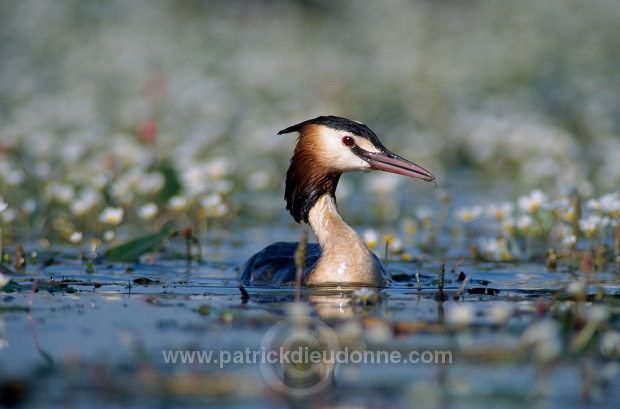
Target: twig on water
x=461, y=261
x=442, y=272
x=244, y=294
x=300, y=262
x=461, y=288
x=388, y=240
x=33, y=290
x=41, y=351
x=417, y=280
x=191, y=240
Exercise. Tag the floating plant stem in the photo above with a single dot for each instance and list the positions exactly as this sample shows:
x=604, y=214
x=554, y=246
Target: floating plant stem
x=300, y=261
x=244, y=294
x=417, y=280
x=440, y=281
x=616, y=244
x=461, y=261
x=583, y=337
x=48, y=358
x=187, y=232
x=190, y=240
x=388, y=240
x=461, y=288
x=20, y=259
x=576, y=216
x=33, y=291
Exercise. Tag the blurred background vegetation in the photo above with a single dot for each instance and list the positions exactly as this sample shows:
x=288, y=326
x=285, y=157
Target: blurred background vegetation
x=169, y=109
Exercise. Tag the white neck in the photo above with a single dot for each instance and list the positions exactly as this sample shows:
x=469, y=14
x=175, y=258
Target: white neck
x=345, y=258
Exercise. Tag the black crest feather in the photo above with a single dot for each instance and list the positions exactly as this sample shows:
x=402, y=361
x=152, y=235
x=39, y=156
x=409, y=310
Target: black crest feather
x=340, y=124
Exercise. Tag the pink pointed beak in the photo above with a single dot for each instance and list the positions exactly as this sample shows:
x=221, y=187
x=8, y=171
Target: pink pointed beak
x=390, y=162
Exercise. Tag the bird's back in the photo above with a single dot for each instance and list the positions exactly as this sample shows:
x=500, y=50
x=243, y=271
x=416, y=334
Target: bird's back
x=275, y=264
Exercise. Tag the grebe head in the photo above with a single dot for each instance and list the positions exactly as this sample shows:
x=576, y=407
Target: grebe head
x=328, y=146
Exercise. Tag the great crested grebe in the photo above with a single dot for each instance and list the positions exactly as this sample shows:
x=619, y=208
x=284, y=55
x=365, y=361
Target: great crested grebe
x=327, y=146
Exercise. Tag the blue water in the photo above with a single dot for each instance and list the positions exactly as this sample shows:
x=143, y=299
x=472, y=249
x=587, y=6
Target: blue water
x=103, y=340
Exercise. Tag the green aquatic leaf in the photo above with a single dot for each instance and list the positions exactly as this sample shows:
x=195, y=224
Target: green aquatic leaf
x=132, y=250
x=41, y=285
x=172, y=184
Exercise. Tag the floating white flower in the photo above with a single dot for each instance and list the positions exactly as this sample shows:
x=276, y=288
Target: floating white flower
x=218, y=168
x=3, y=205
x=569, y=214
x=112, y=215
x=15, y=177
x=607, y=204
x=424, y=213
x=177, y=203
x=86, y=201
x=29, y=206
x=8, y=215
x=533, y=202
x=76, y=237
x=508, y=225
x=591, y=224
x=370, y=238
x=494, y=249
x=569, y=240
x=396, y=245
x=61, y=192
x=498, y=314
x=4, y=280
x=148, y=211
x=151, y=183
x=610, y=344
x=524, y=222
x=543, y=339
x=598, y=314
x=214, y=205
x=460, y=314
x=500, y=212
x=109, y=235
x=559, y=206
x=468, y=214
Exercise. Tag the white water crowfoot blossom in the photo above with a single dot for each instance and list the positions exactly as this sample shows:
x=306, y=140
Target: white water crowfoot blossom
x=214, y=205
x=500, y=212
x=112, y=215
x=370, y=237
x=76, y=237
x=468, y=214
x=494, y=249
x=148, y=211
x=532, y=202
x=593, y=224
x=608, y=204
x=465, y=215
x=177, y=203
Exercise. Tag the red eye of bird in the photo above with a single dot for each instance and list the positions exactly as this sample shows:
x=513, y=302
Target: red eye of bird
x=348, y=140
